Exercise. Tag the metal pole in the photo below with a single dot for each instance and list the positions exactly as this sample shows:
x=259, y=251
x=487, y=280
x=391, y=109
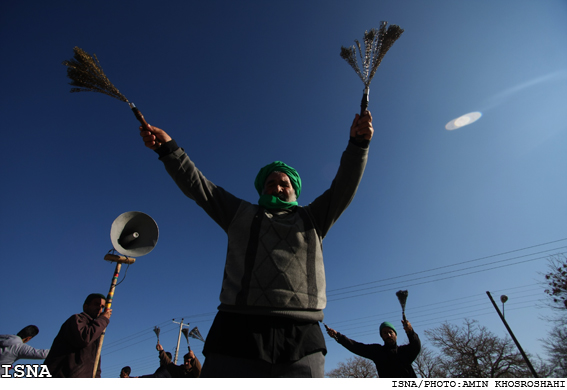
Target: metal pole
x=513, y=337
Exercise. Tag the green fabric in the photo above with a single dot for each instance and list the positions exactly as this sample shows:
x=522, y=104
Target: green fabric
x=270, y=201
x=273, y=202
x=386, y=324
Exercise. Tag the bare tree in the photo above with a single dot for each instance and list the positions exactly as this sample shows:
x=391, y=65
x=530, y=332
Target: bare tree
x=556, y=288
x=355, y=367
x=556, y=280
x=472, y=351
x=428, y=365
x=556, y=346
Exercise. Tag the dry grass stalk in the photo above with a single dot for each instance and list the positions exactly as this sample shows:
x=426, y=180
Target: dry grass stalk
x=156, y=331
x=376, y=43
x=196, y=334
x=86, y=74
x=403, y=297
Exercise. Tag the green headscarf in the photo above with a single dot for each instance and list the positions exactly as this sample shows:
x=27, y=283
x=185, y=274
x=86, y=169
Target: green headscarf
x=271, y=201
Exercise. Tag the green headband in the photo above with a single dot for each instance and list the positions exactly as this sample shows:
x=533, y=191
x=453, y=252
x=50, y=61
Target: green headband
x=279, y=167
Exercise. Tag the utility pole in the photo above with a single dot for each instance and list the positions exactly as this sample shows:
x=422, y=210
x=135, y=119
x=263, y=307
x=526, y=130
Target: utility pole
x=178, y=337
x=512, y=334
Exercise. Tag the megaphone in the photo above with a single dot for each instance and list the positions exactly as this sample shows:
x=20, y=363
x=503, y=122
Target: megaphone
x=134, y=234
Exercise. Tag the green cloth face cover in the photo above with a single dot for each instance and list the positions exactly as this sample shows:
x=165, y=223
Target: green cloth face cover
x=271, y=201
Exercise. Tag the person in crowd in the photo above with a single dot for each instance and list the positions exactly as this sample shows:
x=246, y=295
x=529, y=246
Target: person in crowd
x=125, y=372
x=391, y=360
x=13, y=347
x=273, y=288
x=74, y=349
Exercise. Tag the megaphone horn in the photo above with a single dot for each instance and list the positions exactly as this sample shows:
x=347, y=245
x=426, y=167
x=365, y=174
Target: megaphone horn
x=134, y=234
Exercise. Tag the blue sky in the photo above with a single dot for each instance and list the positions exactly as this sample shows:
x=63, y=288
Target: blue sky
x=447, y=215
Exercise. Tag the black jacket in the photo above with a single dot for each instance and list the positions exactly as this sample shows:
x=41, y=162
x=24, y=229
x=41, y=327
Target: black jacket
x=391, y=362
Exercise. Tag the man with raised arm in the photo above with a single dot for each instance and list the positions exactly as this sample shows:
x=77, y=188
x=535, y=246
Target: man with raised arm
x=74, y=349
x=13, y=347
x=273, y=289
x=391, y=360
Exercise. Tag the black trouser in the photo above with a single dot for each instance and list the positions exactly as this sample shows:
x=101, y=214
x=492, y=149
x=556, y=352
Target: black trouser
x=223, y=366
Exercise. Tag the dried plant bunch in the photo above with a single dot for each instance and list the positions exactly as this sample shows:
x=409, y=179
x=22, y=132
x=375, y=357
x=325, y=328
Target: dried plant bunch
x=402, y=297
x=157, y=331
x=377, y=42
x=86, y=74
x=196, y=334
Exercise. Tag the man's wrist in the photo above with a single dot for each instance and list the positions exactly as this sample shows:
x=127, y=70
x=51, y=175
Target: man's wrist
x=166, y=148
x=361, y=144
